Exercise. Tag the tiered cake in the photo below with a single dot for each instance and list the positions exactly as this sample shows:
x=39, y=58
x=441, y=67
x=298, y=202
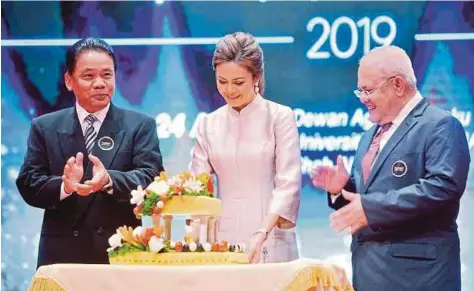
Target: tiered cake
x=183, y=194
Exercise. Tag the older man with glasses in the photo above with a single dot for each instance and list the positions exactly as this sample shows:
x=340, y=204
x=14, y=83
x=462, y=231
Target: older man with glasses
x=401, y=199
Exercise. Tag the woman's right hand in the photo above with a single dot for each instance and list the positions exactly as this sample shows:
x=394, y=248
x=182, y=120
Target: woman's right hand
x=256, y=243
x=331, y=179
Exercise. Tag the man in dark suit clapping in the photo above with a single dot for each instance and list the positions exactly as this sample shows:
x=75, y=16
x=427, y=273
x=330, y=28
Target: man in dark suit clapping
x=82, y=162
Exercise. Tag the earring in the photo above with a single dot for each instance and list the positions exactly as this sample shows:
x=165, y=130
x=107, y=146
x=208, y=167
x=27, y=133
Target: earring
x=257, y=89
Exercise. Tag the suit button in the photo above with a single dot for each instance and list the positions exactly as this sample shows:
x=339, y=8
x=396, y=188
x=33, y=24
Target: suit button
x=100, y=230
x=75, y=233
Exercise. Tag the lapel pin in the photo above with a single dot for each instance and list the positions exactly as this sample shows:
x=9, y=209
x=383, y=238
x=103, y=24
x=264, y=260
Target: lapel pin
x=106, y=143
x=399, y=169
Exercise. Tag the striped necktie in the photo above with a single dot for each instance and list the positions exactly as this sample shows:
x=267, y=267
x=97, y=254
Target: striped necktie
x=90, y=134
x=373, y=151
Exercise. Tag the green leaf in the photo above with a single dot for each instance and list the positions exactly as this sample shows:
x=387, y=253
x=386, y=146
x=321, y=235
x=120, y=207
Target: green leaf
x=149, y=203
x=125, y=249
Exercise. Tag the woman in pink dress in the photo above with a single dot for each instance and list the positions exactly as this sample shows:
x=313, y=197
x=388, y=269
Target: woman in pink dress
x=252, y=146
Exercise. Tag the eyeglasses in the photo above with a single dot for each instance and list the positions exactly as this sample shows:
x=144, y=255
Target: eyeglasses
x=361, y=93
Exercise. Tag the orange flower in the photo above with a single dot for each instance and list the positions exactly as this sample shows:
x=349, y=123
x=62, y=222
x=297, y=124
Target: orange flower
x=163, y=176
x=158, y=231
x=215, y=247
x=138, y=210
x=146, y=236
x=178, y=246
x=203, y=177
x=178, y=190
x=156, y=210
x=224, y=246
x=185, y=175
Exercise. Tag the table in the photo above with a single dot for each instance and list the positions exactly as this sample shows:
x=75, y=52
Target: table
x=299, y=275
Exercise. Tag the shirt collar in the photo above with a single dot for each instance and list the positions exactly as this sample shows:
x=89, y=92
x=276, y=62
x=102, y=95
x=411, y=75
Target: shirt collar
x=82, y=113
x=407, y=109
x=255, y=103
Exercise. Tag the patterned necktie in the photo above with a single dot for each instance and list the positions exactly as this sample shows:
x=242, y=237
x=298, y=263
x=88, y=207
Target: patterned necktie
x=90, y=134
x=369, y=157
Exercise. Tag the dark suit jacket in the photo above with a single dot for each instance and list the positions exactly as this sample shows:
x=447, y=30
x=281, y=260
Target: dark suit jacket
x=76, y=229
x=412, y=241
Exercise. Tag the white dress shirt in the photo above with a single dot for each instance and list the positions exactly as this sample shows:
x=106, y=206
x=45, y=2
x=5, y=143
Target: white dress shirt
x=399, y=119
x=82, y=114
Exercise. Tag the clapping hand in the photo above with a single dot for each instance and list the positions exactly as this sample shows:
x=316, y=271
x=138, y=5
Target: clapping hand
x=331, y=179
x=74, y=171
x=72, y=176
x=100, y=176
x=350, y=217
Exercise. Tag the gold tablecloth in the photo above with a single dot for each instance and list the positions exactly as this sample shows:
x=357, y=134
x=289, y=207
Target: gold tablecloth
x=299, y=275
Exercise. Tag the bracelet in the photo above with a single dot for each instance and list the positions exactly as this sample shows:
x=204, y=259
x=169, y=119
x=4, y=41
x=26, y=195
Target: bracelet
x=262, y=230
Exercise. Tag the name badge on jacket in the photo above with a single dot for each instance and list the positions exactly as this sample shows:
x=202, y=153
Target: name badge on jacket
x=399, y=169
x=106, y=143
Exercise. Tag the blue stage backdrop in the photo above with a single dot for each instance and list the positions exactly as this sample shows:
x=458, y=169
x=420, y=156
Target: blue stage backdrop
x=311, y=57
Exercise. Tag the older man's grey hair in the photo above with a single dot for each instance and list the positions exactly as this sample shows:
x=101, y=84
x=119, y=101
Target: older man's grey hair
x=391, y=61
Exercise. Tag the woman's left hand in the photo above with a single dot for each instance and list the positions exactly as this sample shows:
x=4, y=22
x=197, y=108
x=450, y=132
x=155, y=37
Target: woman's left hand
x=256, y=243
